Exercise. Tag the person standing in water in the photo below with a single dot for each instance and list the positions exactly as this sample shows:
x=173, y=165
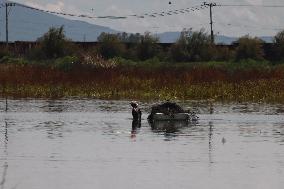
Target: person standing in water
x=136, y=112
x=136, y=122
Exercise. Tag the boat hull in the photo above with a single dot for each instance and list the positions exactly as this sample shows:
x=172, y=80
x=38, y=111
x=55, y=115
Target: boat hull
x=172, y=117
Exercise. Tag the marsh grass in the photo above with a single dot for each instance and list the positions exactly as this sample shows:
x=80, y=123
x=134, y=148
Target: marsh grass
x=218, y=81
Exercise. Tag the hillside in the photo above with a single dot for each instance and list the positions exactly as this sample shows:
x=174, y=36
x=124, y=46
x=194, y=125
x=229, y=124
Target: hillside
x=27, y=25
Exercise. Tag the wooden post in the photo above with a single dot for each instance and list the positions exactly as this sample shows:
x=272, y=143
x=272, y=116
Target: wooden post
x=4, y=91
x=7, y=29
x=6, y=108
x=211, y=5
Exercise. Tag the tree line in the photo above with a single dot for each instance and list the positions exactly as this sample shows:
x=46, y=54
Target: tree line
x=191, y=46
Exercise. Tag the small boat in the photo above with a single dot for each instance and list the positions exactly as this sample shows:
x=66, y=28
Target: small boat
x=170, y=112
x=169, y=126
x=172, y=117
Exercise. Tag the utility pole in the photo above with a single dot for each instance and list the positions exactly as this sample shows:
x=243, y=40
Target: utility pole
x=7, y=21
x=211, y=19
x=7, y=32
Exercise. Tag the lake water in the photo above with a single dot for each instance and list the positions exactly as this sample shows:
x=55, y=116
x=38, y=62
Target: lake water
x=72, y=144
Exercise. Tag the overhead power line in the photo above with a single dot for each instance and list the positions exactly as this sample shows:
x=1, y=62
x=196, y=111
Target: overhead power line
x=151, y=15
x=145, y=15
x=139, y=16
x=171, y=12
x=211, y=5
x=250, y=5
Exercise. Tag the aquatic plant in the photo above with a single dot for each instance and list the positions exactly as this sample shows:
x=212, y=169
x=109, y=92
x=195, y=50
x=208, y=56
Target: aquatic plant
x=215, y=81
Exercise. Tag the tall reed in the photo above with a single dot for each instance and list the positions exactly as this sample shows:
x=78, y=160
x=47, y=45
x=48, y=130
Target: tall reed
x=121, y=82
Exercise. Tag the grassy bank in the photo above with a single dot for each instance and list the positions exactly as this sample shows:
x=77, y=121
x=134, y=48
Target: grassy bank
x=220, y=81
x=254, y=91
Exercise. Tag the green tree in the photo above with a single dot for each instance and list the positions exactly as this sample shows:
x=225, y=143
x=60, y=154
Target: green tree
x=110, y=45
x=179, y=51
x=279, y=45
x=249, y=48
x=147, y=46
x=192, y=46
x=54, y=43
x=134, y=38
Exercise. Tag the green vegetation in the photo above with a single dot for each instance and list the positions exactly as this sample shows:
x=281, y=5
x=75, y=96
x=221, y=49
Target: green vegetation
x=52, y=45
x=249, y=48
x=191, y=69
x=279, y=46
x=141, y=47
x=110, y=45
x=219, y=81
x=192, y=46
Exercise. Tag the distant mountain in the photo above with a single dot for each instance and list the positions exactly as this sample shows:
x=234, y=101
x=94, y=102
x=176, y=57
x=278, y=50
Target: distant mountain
x=28, y=25
x=221, y=39
x=168, y=37
x=171, y=37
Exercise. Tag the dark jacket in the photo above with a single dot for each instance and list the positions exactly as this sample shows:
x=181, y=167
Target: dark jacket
x=136, y=113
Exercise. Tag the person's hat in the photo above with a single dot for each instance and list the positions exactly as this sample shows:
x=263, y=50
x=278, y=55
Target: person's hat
x=134, y=104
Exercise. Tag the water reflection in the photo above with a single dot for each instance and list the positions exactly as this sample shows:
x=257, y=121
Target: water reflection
x=136, y=125
x=109, y=140
x=3, y=180
x=55, y=106
x=279, y=110
x=210, y=135
x=54, y=129
x=211, y=108
x=5, y=166
x=170, y=129
x=168, y=126
x=278, y=132
x=6, y=135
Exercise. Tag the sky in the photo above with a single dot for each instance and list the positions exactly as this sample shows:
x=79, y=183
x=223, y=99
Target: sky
x=230, y=21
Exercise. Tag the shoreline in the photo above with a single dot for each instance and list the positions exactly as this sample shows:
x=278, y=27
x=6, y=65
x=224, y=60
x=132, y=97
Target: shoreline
x=215, y=81
x=267, y=91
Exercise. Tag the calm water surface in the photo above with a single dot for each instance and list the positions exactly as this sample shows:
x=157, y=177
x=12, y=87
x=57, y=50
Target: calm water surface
x=90, y=144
